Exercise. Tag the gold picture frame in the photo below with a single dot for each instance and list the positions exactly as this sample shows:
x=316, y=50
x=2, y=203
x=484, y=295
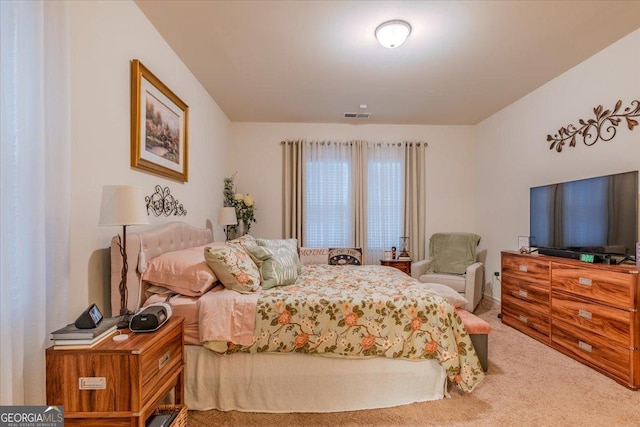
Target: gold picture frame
x=159, y=126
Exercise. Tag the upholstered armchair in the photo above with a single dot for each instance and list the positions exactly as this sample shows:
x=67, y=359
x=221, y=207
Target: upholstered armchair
x=455, y=262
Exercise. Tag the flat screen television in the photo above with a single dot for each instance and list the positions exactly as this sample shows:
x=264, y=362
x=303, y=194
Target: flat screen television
x=595, y=215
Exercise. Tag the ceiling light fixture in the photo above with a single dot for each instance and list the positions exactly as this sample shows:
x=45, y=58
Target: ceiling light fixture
x=392, y=34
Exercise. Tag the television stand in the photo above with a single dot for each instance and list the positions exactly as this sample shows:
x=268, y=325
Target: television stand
x=589, y=312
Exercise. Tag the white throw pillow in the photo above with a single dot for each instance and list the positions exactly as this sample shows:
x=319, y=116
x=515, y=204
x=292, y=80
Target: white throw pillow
x=454, y=298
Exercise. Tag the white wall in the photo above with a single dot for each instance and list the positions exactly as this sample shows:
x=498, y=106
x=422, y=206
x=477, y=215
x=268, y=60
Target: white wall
x=513, y=154
x=257, y=158
x=105, y=36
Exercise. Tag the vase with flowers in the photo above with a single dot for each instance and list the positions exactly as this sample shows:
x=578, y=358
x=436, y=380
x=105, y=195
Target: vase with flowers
x=243, y=204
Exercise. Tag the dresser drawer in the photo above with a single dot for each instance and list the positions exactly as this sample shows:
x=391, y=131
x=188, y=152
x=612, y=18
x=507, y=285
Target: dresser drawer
x=594, y=349
x=607, y=287
x=611, y=323
x=159, y=361
x=526, y=291
x=526, y=317
x=526, y=267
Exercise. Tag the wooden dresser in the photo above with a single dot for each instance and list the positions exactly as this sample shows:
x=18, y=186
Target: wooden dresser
x=117, y=383
x=586, y=311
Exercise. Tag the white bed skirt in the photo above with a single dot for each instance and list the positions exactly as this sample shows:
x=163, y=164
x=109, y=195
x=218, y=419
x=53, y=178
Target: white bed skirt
x=302, y=383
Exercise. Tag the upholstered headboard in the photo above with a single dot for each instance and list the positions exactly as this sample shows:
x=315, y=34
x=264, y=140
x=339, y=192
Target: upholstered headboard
x=170, y=237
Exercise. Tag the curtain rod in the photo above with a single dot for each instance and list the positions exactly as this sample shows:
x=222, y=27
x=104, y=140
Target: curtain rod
x=410, y=143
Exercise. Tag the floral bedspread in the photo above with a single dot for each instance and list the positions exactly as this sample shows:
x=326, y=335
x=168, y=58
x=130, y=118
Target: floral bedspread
x=363, y=311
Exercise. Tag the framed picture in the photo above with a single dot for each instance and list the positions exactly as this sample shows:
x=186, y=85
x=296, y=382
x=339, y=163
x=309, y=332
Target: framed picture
x=159, y=126
x=523, y=244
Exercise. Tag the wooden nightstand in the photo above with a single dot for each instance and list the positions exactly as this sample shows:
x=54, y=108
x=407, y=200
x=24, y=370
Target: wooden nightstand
x=402, y=265
x=118, y=383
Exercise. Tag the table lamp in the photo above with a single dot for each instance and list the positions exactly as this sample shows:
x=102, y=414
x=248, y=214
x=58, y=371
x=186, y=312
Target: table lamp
x=227, y=217
x=123, y=205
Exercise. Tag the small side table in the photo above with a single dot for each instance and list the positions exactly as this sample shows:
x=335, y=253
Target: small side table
x=400, y=264
x=118, y=383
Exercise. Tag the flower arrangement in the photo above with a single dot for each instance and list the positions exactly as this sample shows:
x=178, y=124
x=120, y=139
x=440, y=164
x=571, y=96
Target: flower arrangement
x=243, y=203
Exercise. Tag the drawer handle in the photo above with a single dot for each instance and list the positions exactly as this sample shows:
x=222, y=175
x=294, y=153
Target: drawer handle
x=523, y=268
x=523, y=294
x=523, y=319
x=584, y=281
x=584, y=313
x=584, y=346
x=163, y=360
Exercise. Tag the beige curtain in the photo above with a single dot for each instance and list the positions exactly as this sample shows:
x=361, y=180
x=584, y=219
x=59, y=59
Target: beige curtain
x=292, y=190
x=359, y=189
x=415, y=199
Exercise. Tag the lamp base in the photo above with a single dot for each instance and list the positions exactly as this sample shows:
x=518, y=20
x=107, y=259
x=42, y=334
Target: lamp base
x=125, y=317
x=123, y=323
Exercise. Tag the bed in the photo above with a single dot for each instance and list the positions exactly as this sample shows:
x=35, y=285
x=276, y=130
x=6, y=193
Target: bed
x=365, y=352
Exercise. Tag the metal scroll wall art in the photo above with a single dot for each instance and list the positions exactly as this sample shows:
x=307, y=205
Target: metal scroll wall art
x=163, y=203
x=603, y=127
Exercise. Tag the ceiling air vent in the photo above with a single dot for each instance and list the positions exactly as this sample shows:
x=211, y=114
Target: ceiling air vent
x=357, y=115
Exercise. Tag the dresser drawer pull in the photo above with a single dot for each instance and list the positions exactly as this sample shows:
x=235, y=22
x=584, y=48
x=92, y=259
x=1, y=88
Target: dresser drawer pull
x=584, y=313
x=523, y=319
x=523, y=268
x=584, y=281
x=163, y=360
x=523, y=294
x=584, y=346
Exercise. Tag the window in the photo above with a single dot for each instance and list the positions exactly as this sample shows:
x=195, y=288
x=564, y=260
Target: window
x=329, y=197
x=328, y=203
x=384, y=200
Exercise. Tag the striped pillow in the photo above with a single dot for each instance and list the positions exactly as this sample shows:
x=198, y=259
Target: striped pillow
x=278, y=264
x=291, y=243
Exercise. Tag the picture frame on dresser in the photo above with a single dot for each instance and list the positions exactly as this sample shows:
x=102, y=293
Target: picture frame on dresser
x=159, y=126
x=524, y=244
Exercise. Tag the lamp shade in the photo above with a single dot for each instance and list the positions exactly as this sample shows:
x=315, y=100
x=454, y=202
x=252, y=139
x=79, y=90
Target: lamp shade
x=392, y=34
x=123, y=205
x=227, y=216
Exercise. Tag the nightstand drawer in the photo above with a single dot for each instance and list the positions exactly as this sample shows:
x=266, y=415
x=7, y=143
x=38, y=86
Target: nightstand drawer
x=595, y=350
x=402, y=265
x=611, y=323
x=607, y=287
x=160, y=361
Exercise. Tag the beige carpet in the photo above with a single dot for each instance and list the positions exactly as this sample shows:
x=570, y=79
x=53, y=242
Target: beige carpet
x=528, y=384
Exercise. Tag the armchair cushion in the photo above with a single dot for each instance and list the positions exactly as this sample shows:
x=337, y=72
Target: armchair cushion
x=452, y=253
x=456, y=282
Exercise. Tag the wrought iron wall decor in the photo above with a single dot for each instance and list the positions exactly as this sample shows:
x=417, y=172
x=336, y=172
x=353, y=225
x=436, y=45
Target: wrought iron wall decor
x=163, y=203
x=603, y=127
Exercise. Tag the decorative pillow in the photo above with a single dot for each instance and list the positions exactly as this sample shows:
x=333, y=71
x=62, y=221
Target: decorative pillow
x=292, y=244
x=345, y=256
x=454, y=298
x=277, y=265
x=234, y=268
x=314, y=256
x=243, y=242
x=184, y=272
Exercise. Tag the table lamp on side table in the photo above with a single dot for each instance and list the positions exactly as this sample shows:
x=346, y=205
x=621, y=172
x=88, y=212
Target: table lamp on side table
x=123, y=205
x=227, y=217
